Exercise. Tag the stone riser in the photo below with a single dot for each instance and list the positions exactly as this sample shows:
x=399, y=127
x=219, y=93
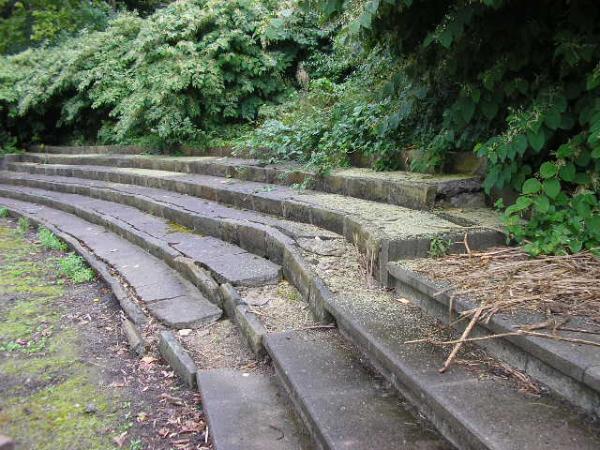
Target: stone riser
x=411, y=193
x=368, y=238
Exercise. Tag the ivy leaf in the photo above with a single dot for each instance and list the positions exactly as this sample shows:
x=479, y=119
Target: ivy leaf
x=552, y=119
x=489, y=109
x=567, y=172
x=548, y=170
x=542, y=204
x=532, y=186
x=536, y=140
x=520, y=144
x=552, y=187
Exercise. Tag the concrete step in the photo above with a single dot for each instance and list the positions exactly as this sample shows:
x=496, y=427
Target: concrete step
x=413, y=190
x=343, y=405
x=87, y=150
x=471, y=407
x=248, y=412
x=158, y=288
x=569, y=369
x=384, y=232
x=226, y=262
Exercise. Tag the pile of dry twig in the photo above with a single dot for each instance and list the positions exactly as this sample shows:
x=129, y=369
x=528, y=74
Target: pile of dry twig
x=507, y=280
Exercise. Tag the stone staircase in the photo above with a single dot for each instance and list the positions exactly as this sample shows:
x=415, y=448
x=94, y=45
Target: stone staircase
x=228, y=252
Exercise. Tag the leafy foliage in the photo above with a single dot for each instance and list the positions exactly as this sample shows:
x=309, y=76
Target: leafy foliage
x=170, y=78
x=527, y=101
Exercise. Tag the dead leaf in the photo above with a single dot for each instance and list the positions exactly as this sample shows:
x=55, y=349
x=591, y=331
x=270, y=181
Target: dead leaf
x=120, y=439
x=149, y=359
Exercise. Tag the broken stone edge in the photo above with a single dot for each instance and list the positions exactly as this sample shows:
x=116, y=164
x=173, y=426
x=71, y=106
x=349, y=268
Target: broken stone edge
x=130, y=308
x=250, y=326
x=571, y=379
x=178, y=358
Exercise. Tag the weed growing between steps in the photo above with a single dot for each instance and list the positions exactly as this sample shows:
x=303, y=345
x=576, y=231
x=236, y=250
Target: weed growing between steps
x=50, y=241
x=75, y=269
x=67, y=378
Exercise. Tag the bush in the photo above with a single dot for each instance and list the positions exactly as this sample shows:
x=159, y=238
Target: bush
x=171, y=78
x=518, y=82
x=334, y=118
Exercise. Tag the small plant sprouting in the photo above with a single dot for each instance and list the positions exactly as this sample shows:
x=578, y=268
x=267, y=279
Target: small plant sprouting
x=75, y=268
x=3, y=213
x=50, y=241
x=439, y=247
x=24, y=225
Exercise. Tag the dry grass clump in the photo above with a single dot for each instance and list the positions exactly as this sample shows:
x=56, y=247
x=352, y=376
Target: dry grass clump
x=508, y=279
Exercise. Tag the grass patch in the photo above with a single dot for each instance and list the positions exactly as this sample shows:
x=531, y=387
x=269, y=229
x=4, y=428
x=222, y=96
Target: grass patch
x=23, y=225
x=50, y=241
x=75, y=269
x=3, y=213
x=45, y=387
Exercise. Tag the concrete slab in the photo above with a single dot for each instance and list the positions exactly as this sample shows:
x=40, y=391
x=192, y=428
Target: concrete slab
x=248, y=412
x=227, y=262
x=188, y=308
x=342, y=403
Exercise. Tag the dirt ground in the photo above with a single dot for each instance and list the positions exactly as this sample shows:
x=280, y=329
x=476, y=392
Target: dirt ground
x=67, y=377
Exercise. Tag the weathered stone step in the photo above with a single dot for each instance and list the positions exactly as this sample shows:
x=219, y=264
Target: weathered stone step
x=87, y=150
x=343, y=405
x=248, y=412
x=226, y=262
x=384, y=232
x=571, y=370
x=169, y=297
x=474, y=410
x=413, y=190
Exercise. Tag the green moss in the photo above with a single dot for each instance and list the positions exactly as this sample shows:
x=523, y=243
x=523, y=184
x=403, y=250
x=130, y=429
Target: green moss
x=174, y=227
x=45, y=388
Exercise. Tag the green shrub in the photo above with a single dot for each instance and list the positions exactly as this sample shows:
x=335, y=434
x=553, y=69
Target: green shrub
x=75, y=269
x=4, y=213
x=50, y=241
x=172, y=78
x=326, y=124
x=519, y=82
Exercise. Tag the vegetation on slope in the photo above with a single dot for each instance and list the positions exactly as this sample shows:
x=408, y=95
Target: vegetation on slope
x=403, y=83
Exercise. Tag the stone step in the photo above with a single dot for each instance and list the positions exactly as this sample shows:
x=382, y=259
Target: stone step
x=471, y=407
x=87, y=150
x=248, y=412
x=384, y=232
x=413, y=190
x=569, y=369
x=342, y=404
x=170, y=298
x=226, y=262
